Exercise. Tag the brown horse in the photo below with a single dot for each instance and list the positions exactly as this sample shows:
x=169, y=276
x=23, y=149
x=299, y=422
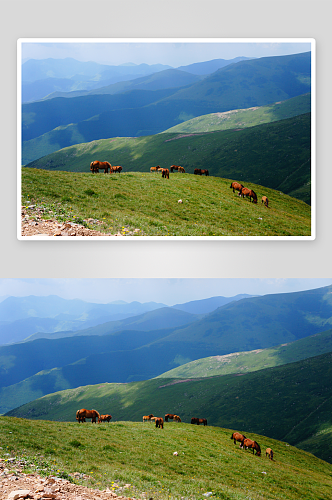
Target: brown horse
x=169, y=416
x=269, y=453
x=160, y=422
x=95, y=166
x=236, y=186
x=174, y=167
x=248, y=192
x=236, y=436
x=199, y=171
x=182, y=170
x=116, y=169
x=165, y=173
x=198, y=421
x=82, y=414
x=154, y=169
x=265, y=200
x=177, y=418
x=104, y=418
x=248, y=443
x=147, y=418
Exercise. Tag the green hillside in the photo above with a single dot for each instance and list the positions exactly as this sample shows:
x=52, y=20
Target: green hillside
x=285, y=402
x=145, y=204
x=245, y=362
x=243, y=118
x=276, y=155
x=137, y=460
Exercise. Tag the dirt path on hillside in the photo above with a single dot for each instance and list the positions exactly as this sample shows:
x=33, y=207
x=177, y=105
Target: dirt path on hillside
x=15, y=485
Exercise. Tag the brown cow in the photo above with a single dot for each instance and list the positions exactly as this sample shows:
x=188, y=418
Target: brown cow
x=265, y=200
x=236, y=186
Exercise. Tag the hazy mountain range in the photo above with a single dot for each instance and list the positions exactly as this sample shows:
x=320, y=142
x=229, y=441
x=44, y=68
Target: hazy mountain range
x=153, y=103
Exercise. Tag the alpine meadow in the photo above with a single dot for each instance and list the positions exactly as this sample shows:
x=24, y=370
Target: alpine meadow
x=255, y=365
x=245, y=119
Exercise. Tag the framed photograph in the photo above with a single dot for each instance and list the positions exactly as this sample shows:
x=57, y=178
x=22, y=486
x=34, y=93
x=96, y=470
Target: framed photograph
x=166, y=139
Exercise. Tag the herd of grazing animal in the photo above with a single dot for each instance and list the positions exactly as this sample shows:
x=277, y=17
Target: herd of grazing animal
x=83, y=414
x=96, y=165
x=249, y=193
x=245, y=443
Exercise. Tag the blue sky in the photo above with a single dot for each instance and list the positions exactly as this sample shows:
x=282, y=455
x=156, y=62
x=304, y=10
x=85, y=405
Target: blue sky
x=150, y=52
x=165, y=290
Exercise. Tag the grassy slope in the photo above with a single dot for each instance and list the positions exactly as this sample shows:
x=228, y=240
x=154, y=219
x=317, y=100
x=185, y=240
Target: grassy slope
x=291, y=402
x=245, y=362
x=149, y=204
x=141, y=456
x=243, y=118
x=276, y=155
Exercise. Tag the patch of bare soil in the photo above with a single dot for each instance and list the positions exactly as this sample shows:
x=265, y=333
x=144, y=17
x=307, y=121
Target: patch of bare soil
x=33, y=224
x=15, y=485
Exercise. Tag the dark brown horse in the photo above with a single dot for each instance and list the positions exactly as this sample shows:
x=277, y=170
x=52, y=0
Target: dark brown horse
x=199, y=171
x=248, y=443
x=174, y=167
x=160, y=422
x=169, y=416
x=198, y=421
x=104, y=418
x=249, y=193
x=236, y=186
x=236, y=436
x=165, y=173
x=82, y=414
x=95, y=166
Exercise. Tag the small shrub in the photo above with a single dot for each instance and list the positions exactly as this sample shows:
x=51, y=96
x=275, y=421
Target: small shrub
x=90, y=192
x=76, y=444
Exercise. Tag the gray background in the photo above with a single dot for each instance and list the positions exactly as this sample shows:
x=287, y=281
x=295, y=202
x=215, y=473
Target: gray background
x=181, y=18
